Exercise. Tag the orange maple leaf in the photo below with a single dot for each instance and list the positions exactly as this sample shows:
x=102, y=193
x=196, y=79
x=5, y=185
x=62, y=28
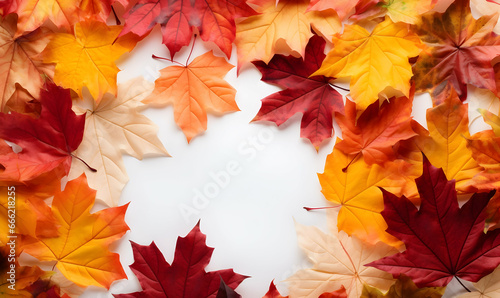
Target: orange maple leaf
x=193, y=90
x=261, y=36
x=82, y=248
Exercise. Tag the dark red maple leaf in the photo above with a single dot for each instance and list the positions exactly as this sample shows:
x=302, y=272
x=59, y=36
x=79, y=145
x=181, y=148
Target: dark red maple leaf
x=186, y=277
x=312, y=96
x=46, y=142
x=214, y=19
x=442, y=240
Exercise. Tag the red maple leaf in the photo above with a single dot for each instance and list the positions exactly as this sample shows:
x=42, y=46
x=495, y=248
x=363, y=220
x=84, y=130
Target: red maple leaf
x=214, y=19
x=46, y=142
x=377, y=130
x=186, y=277
x=442, y=240
x=312, y=96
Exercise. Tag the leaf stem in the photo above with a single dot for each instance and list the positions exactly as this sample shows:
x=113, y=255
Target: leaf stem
x=192, y=47
x=90, y=168
x=462, y=284
x=166, y=59
x=354, y=158
x=320, y=208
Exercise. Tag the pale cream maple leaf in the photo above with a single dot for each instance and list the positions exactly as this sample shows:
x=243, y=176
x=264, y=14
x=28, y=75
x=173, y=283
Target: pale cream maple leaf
x=337, y=261
x=112, y=127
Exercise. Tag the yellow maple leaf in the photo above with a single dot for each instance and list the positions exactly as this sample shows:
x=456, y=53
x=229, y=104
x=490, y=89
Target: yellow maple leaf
x=376, y=62
x=194, y=90
x=446, y=145
x=357, y=191
x=82, y=247
x=337, y=261
x=261, y=36
x=112, y=127
x=86, y=58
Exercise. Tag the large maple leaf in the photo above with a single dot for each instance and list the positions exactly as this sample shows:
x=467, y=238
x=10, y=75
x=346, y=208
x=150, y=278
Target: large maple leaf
x=442, y=240
x=377, y=130
x=376, y=62
x=47, y=142
x=337, y=261
x=259, y=37
x=459, y=51
x=18, y=61
x=114, y=126
x=193, y=90
x=312, y=96
x=215, y=20
x=86, y=58
x=81, y=249
x=353, y=184
x=446, y=145
x=186, y=276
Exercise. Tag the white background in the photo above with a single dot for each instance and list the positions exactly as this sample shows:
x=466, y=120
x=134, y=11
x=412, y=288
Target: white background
x=250, y=221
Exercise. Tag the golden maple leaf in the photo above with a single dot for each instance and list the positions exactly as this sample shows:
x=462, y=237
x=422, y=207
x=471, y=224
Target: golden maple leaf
x=86, y=58
x=355, y=186
x=376, y=62
x=446, y=145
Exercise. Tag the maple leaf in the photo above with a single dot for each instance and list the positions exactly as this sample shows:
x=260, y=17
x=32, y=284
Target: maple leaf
x=337, y=261
x=459, y=50
x=33, y=13
x=442, y=240
x=18, y=61
x=46, y=142
x=273, y=292
x=487, y=286
x=86, y=58
x=114, y=126
x=312, y=96
x=377, y=62
x=215, y=20
x=403, y=288
x=486, y=8
x=353, y=184
x=446, y=145
x=81, y=249
x=377, y=130
x=193, y=90
x=258, y=37
x=186, y=276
